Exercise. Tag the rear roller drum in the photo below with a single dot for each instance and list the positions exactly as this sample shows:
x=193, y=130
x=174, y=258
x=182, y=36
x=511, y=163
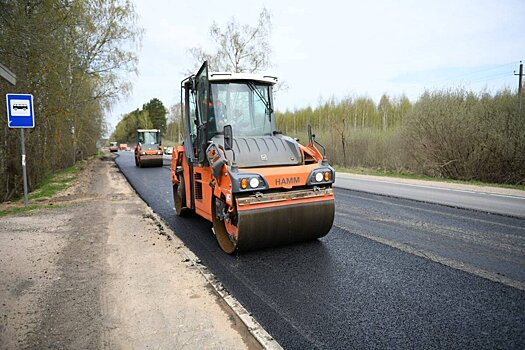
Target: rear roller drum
x=223, y=225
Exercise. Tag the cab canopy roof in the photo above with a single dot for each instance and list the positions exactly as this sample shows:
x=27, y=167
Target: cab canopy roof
x=225, y=76
x=148, y=130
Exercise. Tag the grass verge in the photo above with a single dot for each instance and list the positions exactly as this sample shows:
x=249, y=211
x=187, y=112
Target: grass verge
x=54, y=183
x=409, y=175
x=16, y=210
x=47, y=188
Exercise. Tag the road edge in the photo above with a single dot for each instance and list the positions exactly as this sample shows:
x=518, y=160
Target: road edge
x=254, y=328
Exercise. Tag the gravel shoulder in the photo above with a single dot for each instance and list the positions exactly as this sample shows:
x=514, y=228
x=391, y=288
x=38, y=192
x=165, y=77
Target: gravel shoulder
x=97, y=270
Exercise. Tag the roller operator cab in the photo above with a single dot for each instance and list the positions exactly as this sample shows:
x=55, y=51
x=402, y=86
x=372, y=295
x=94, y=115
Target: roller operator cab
x=258, y=187
x=148, y=151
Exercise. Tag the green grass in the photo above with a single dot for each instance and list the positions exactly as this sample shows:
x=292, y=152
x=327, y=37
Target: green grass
x=409, y=175
x=16, y=210
x=54, y=183
x=47, y=188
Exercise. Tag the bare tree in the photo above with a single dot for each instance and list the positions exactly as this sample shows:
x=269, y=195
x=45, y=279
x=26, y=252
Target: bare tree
x=241, y=48
x=385, y=107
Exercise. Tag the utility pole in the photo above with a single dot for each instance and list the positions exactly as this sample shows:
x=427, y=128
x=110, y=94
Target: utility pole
x=520, y=78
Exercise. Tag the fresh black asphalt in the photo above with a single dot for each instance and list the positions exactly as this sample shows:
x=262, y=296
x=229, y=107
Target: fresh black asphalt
x=347, y=291
x=492, y=243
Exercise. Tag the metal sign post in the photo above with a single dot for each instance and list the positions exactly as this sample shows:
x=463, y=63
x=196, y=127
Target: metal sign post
x=20, y=115
x=24, y=171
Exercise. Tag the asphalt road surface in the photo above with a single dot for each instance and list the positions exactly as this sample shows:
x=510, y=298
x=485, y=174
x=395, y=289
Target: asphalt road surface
x=505, y=204
x=392, y=273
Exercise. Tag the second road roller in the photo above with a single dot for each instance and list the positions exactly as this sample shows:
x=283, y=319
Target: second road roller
x=257, y=186
x=148, y=151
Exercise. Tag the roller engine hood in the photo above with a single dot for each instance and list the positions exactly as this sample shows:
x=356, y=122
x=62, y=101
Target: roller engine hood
x=262, y=151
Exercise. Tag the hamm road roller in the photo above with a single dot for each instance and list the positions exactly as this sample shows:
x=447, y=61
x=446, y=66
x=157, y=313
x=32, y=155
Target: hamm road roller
x=258, y=187
x=148, y=151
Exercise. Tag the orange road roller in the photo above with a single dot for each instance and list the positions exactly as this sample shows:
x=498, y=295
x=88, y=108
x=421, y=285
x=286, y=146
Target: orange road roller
x=148, y=151
x=257, y=186
x=113, y=146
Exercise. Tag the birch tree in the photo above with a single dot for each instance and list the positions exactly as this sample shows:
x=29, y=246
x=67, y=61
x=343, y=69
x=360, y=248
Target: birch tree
x=240, y=48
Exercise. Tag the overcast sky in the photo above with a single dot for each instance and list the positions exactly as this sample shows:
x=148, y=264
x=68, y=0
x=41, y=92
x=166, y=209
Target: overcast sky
x=340, y=48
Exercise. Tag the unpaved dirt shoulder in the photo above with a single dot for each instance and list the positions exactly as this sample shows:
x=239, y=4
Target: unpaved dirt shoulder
x=100, y=273
x=30, y=247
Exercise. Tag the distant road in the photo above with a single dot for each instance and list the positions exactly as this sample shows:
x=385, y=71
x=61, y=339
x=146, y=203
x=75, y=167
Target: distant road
x=447, y=194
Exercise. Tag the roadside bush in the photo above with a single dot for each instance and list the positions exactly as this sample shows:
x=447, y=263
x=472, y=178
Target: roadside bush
x=366, y=148
x=461, y=135
x=454, y=134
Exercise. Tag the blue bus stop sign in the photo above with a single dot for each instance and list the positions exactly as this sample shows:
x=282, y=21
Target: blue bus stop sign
x=20, y=112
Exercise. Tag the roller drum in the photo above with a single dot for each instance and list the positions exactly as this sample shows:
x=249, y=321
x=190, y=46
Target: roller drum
x=151, y=162
x=285, y=224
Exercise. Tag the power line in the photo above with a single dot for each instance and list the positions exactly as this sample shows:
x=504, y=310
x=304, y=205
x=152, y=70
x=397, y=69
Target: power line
x=490, y=77
x=482, y=70
x=446, y=80
x=487, y=69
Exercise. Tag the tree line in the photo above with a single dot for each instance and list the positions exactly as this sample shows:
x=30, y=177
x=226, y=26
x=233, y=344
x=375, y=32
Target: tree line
x=73, y=57
x=151, y=116
x=453, y=134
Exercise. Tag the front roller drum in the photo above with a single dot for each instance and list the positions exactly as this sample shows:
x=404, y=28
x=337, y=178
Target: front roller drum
x=275, y=226
x=223, y=227
x=151, y=162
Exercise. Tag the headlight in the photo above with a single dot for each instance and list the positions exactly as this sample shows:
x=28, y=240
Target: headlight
x=245, y=182
x=143, y=153
x=254, y=182
x=159, y=152
x=321, y=176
